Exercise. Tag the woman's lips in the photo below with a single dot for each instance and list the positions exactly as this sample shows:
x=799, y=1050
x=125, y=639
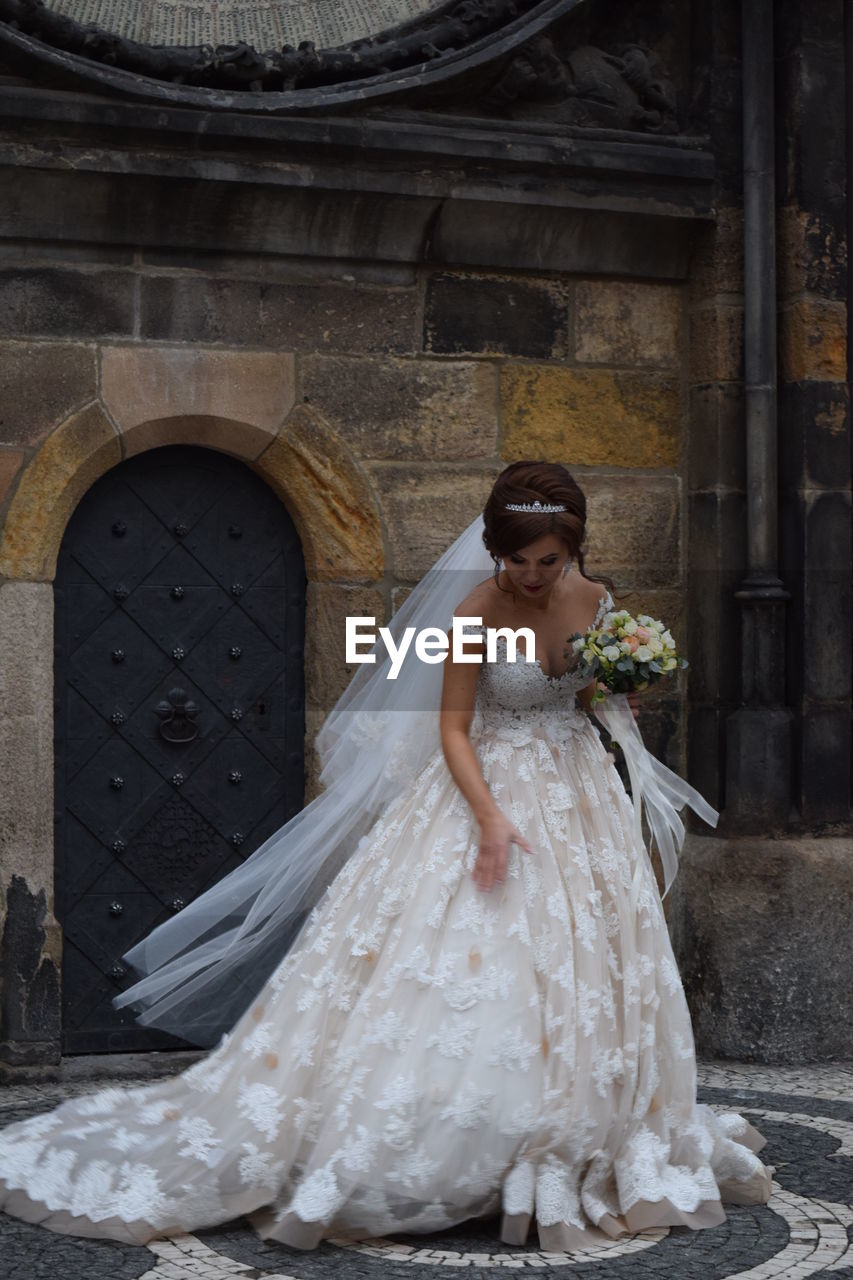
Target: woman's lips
x=531, y=589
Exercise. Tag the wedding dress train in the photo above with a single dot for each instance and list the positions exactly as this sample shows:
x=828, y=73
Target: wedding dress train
x=428, y=1052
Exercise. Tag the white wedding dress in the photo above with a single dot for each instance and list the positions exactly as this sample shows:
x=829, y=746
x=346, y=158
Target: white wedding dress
x=428, y=1052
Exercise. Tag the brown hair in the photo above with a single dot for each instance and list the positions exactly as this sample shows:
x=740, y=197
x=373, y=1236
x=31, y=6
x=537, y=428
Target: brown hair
x=509, y=531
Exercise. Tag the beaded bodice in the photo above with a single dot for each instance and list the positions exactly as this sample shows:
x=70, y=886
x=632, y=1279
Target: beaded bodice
x=517, y=701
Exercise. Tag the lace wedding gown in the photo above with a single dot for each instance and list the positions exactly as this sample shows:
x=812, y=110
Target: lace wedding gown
x=428, y=1052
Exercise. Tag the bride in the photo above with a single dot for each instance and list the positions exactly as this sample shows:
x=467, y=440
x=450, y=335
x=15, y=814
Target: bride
x=449, y=986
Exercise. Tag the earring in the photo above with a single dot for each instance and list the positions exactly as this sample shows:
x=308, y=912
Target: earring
x=566, y=567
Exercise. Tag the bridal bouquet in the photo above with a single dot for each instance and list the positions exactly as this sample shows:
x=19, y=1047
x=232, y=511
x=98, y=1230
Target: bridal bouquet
x=625, y=653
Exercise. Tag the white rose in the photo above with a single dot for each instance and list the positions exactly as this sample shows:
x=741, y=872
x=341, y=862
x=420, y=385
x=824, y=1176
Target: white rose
x=630, y=627
x=644, y=653
x=655, y=645
x=625, y=647
x=612, y=652
x=578, y=644
x=645, y=619
x=668, y=640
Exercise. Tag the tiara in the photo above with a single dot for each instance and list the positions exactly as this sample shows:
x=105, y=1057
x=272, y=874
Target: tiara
x=537, y=506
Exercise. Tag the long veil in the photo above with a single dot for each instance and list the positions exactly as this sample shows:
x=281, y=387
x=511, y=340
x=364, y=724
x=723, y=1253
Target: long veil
x=203, y=966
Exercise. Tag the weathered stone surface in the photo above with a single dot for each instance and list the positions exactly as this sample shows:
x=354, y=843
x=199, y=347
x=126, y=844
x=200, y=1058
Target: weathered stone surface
x=763, y=982
x=590, y=417
x=814, y=443
x=10, y=465
x=326, y=608
x=717, y=560
x=620, y=322
x=392, y=408
x=810, y=255
x=426, y=510
x=26, y=733
x=40, y=384
x=716, y=445
x=287, y=317
x=633, y=529
x=52, y=302
x=329, y=498
x=146, y=388
x=717, y=262
x=30, y=950
x=813, y=341
x=477, y=315
x=716, y=344
x=69, y=461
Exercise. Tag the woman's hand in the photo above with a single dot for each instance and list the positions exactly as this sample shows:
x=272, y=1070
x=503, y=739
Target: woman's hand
x=496, y=835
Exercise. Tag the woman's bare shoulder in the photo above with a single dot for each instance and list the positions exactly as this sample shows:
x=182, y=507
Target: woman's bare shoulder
x=479, y=603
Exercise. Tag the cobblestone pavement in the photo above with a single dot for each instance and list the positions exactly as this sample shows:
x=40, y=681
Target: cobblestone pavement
x=805, y=1230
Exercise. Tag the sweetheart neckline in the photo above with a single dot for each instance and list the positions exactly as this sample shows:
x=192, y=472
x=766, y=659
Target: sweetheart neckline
x=603, y=604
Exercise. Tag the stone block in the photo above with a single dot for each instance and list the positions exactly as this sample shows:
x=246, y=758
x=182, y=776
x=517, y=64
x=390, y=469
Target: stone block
x=289, y=317
x=329, y=498
x=814, y=434
x=425, y=509
x=590, y=417
x=827, y=597
x=40, y=384
x=234, y=401
x=52, y=302
x=327, y=606
x=633, y=529
x=824, y=766
x=476, y=315
x=392, y=408
x=70, y=460
x=621, y=322
x=761, y=932
x=811, y=254
x=717, y=259
x=716, y=447
x=30, y=949
x=716, y=344
x=11, y=461
x=813, y=341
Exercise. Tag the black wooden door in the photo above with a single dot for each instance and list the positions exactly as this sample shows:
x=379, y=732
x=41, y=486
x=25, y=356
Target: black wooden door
x=180, y=606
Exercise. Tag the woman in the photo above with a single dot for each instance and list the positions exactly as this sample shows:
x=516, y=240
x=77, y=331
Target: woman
x=481, y=1014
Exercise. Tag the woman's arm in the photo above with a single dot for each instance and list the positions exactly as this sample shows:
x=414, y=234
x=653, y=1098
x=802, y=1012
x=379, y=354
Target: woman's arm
x=457, y=712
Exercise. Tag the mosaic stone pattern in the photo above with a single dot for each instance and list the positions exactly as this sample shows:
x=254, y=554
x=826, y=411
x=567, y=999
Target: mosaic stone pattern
x=805, y=1230
x=262, y=24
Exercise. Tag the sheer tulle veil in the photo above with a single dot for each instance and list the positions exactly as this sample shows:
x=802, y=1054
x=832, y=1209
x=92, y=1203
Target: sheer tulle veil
x=203, y=966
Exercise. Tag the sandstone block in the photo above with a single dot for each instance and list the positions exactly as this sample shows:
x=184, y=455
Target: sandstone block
x=633, y=530
x=716, y=344
x=329, y=498
x=425, y=509
x=10, y=465
x=813, y=341
x=590, y=417
x=69, y=461
x=619, y=322
x=52, y=302
x=40, y=384
x=717, y=264
x=289, y=317
x=327, y=607
x=809, y=256
x=172, y=395
x=478, y=315
x=392, y=408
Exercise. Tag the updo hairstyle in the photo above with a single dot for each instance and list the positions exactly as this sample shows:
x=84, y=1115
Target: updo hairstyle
x=506, y=532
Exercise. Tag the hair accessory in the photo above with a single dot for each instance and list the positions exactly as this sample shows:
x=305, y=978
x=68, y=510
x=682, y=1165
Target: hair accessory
x=537, y=506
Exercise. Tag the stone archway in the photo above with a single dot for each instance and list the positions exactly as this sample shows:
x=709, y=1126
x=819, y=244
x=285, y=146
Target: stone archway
x=327, y=496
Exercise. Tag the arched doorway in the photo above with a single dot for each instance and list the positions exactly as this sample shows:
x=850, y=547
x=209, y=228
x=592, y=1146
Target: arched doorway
x=180, y=607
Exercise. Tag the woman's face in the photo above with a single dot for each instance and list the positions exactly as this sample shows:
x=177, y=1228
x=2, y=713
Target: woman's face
x=533, y=570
